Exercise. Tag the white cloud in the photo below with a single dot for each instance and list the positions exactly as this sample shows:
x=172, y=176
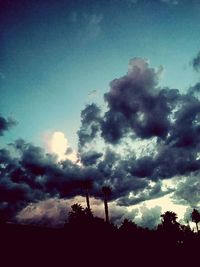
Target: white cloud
x=57, y=143
x=50, y=212
x=167, y=204
x=148, y=217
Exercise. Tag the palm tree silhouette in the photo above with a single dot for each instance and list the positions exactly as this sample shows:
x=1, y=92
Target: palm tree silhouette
x=87, y=185
x=169, y=217
x=106, y=192
x=196, y=218
x=169, y=228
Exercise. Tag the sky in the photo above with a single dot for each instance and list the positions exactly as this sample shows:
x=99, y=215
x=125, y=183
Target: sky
x=100, y=83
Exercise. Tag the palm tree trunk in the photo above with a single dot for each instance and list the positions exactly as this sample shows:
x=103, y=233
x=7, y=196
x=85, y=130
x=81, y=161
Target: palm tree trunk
x=106, y=209
x=197, y=227
x=87, y=199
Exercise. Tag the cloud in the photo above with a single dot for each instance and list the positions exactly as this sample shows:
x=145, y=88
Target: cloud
x=194, y=89
x=137, y=110
x=187, y=215
x=188, y=189
x=134, y=105
x=90, y=118
x=6, y=124
x=51, y=212
x=150, y=217
x=92, y=94
x=196, y=62
x=150, y=192
x=57, y=143
x=54, y=212
x=32, y=175
x=90, y=157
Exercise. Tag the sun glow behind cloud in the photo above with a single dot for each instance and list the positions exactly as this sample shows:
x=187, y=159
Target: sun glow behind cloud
x=57, y=143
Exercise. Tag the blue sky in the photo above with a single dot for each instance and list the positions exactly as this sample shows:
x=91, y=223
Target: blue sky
x=54, y=53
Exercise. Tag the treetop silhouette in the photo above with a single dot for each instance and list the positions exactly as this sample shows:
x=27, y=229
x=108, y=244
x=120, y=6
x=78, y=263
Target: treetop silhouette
x=195, y=218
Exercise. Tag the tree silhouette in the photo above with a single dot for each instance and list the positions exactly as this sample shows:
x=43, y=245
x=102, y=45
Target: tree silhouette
x=106, y=192
x=128, y=226
x=196, y=218
x=76, y=213
x=169, y=228
x=79, y=215
x=169, y=218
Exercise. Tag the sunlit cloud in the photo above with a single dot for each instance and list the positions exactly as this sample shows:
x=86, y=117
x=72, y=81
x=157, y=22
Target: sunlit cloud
x=57, y=143
x=167, y=205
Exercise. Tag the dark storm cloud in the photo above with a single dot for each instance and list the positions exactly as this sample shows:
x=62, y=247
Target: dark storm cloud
x=137, y=107
x=194, y=89
x=196, y=62
x=90, y=118
x=185, y=131
x=16, y=186
x=143, y=167
x=149, y=192
x=4, y=156
x=34, y=175
x=22, y=178
x=90, y=158
x=188, y=191
x=5, y=124
x=134, y=105
x=114, y=171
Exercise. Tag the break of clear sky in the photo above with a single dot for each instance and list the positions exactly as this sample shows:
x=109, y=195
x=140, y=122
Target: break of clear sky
x=54, y=53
